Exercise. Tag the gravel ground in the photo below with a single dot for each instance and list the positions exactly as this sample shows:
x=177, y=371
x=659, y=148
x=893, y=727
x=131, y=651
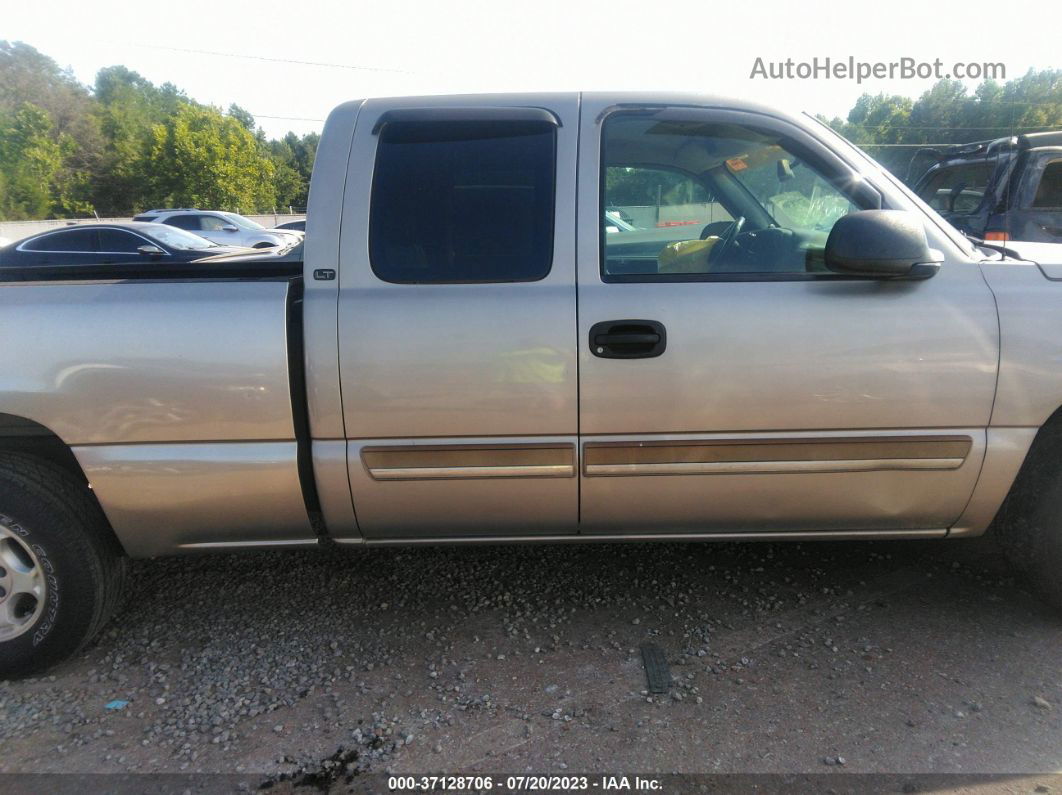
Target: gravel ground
x=317, y=667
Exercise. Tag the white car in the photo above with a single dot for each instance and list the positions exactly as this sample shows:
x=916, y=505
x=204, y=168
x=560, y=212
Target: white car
x=227, y=229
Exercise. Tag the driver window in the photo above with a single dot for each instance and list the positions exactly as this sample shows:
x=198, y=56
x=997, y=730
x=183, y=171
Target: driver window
x=692, y=197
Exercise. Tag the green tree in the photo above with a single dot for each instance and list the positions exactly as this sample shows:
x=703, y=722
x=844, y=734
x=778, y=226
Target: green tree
x=28, y=76
x=203, y=158
x=128, y=107
x=294, y=158
x=290, y=185
x=35, y=182
x=893, y=129
x=244, y=117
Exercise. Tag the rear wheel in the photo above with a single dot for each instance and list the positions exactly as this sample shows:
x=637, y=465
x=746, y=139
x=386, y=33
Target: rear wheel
x=61, y=571
x=1030, y=522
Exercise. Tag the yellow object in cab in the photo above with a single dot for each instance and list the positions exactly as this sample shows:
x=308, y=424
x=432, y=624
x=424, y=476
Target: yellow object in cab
x=686, y=256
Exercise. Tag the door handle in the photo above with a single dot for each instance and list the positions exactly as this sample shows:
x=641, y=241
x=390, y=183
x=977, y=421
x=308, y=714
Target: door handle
x=628, y=339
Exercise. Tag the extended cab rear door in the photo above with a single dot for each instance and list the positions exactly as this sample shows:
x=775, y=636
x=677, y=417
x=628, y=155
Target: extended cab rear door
x=457, y=336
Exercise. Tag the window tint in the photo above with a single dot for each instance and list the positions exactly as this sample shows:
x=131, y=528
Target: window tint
x=957, y=189
x=73, y=241
x=115, y=241
x=148, y=218
x=463, y=201
x=184, y=222
x=691, y=197
x=1049, y=192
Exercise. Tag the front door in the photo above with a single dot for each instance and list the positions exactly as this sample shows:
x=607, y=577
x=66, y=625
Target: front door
x=728, y=381
x=457, y=319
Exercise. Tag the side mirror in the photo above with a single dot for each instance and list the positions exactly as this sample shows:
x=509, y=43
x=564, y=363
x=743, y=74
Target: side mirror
x=881, y=244
x=150, y=251
x=230, y=228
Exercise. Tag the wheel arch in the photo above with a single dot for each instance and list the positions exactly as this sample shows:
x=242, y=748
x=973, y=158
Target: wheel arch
x=22, y=435
x=1047, y=441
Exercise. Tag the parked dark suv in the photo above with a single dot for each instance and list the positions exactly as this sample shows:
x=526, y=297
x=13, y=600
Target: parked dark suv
x=1009, y=189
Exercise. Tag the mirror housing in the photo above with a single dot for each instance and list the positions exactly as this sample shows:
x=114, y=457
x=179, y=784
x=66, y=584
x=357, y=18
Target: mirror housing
x=882, y=244
x=230, y=228
x=150, y=251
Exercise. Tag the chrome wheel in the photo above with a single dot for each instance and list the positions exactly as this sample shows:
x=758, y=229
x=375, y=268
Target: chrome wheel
x=22, y=585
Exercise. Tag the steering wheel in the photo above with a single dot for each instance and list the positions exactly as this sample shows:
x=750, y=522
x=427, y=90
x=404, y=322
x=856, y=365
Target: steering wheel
x=725, y=240
x=715, y=228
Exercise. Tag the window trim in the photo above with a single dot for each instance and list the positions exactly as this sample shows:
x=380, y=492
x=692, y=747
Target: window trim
x=551, y=235
x=819, y=153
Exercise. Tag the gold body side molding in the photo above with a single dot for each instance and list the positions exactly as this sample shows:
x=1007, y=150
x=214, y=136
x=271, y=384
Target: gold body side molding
x=469, y=461
x=762, y=456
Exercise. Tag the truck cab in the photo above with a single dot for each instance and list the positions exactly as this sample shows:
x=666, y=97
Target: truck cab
x=509, y=367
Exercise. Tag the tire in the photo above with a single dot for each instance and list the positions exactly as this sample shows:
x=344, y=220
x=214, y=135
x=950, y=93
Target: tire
x=1029, y=524
x=62, y=570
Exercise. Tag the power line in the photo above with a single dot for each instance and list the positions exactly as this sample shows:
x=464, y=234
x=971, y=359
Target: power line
x=990, y=102
x=218, y=54
x=283, y=118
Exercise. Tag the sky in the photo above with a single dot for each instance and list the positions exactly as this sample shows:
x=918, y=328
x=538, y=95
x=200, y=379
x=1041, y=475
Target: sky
x=350, y=49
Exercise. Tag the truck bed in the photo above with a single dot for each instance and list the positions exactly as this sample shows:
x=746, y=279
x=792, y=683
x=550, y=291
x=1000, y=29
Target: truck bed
x=175, y=394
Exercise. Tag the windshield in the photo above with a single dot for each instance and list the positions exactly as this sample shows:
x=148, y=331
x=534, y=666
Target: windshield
x=180, y=239
x=794, y=195
x=243, y=223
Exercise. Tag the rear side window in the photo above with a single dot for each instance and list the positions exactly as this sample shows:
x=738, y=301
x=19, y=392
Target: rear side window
x=1049, y=193
x=957, y=189
x=75, y=241
x=467, y=201
x=184, y=222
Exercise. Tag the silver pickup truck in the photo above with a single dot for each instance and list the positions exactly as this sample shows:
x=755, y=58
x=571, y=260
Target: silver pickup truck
x=555, y=317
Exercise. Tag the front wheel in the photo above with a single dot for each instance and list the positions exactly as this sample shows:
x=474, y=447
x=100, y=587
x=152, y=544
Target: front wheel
x=61, y=572
x=1030, y=522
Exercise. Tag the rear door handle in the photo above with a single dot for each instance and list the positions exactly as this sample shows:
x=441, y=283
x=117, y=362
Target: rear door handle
x=628, y=339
